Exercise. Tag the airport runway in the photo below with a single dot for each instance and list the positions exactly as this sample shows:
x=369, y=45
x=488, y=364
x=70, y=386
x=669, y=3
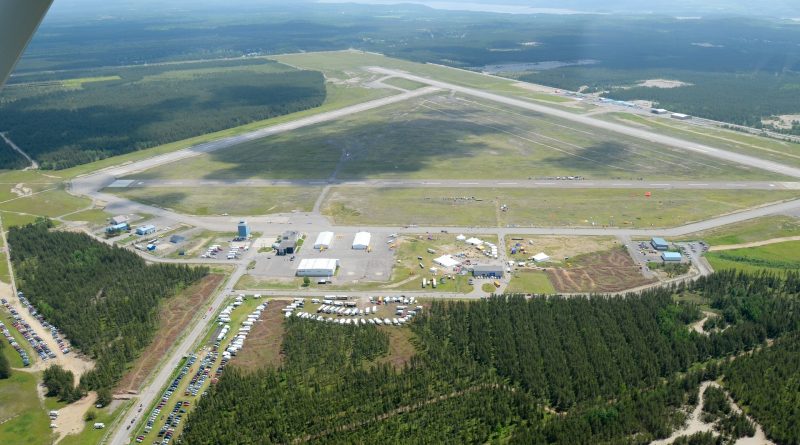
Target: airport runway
x=610, y=126
x=462, y=183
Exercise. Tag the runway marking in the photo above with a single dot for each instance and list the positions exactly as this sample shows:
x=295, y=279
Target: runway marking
x=659, y=185
x=506, y=183
x=698, y=185
x=431, y=183
x=544, y=183
x=467, y=183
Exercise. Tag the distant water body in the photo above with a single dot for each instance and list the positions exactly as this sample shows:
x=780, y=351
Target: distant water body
x=535, y=66
x=468, y=6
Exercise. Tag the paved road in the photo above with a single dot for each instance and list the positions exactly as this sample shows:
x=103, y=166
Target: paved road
x=597, y=123
x=152, y=391
x=468, y=183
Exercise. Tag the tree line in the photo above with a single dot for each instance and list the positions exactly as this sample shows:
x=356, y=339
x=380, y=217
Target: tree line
x=5, y=366
x=105, y=299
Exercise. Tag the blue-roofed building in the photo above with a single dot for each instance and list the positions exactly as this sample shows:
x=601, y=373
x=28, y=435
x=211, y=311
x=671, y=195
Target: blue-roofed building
x=659, y=243
x=244, y=230
x=121, y=227
x=671, y=257
x=146, y=230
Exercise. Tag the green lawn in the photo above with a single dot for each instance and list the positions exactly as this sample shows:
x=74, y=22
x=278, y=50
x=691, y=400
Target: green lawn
x=231, y=200
x=92, y=216
x=530, y=282
x=444, y=137
x=16, y=219
x=762, y=147
x=51, y=203
x=779, y=257
x=759, y=229
x=24, y=420
x=537, y=207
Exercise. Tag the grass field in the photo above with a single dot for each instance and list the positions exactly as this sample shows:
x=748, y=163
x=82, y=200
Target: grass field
x=762, y=147
x=347, y=64
x=96, y=217
x=23, y=420
x=50, y=203
x=760, y=229
x=403, y=83
x=231, y=200
x=530, y=282
x=444, y=137
x=537, y=207
x=779, y=257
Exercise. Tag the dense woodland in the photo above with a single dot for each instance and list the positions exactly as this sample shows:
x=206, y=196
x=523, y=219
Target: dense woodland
x=5, y=366
x=61, y=383
x=148, y=106
x=498, y=368
x=768, y=382
x=105, y=299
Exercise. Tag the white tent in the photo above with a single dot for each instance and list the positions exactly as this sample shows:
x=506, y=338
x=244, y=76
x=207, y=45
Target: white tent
x=324, y=240
x=447, y=261
x=541, y=256
x=361, y=240
x=475, y=242
x=461, y=238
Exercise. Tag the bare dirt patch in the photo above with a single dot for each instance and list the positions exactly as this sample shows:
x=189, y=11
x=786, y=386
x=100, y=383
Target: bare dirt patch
x=558, y=247
x=663, y=83
x=21, y=191
x=782, y=122
x=263, y=347
x=401, y=349
x=175, y=316
x=609, y=271
x=70, y=418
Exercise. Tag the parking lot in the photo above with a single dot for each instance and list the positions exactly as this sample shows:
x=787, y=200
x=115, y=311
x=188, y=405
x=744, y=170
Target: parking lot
x=354, y=265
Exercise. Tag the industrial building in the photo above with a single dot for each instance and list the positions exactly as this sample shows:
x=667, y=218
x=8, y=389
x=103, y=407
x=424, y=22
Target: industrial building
x=120, y=227
x=287, y=244
x=324, y=240
x=671, y=257
x=541, y=257
x=146, y=230
x=488, y=270
x=244, y=230
x=680, y=116
x=361, y=241
x=659, y=111
x=659, y=243
x=317, y=267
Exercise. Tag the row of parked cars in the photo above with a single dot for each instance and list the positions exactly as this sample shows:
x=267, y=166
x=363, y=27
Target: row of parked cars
x=17, y=347
x=25, y=329
x=166, y=432
x=62, y=343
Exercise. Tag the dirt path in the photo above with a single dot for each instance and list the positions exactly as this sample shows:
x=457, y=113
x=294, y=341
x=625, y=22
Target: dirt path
x=754, y=243
x=70, y=418
x=698, y=325
x=695, y=424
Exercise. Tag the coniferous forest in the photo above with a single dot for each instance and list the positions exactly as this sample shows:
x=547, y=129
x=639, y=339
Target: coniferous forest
x=556, y=370
x=105, y=299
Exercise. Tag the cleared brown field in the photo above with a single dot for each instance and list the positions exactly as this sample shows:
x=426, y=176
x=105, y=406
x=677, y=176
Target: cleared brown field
x=608, y=271
x=263, y=347
x=175, y=316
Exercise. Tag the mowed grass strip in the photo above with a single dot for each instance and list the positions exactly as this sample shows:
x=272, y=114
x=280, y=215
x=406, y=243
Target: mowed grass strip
x=537, y=207
x=530, y=282
x=759, y=229
x=231, y=200
x=778, y=257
